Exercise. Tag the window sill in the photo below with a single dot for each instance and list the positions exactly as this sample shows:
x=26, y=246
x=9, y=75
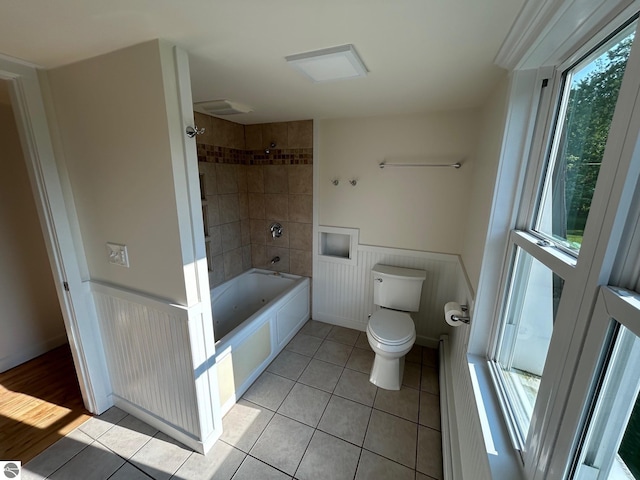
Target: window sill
x=504, y=460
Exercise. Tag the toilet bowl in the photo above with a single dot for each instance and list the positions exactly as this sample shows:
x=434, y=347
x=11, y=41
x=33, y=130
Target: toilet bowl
x=390, y=330
x=391, y=334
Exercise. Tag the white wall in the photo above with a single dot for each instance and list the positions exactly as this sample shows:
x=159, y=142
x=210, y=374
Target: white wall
x=111, y=115
x=410, y=208
x=484, y=177
x=31, y=319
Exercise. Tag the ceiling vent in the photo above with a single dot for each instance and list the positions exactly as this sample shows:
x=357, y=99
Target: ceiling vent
x=221, y=107
x=329, y=64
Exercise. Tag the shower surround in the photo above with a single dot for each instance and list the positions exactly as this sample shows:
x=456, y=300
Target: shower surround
x=245, y=190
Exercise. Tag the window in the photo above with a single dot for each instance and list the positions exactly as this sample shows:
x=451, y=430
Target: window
x=611, y=447
x=529, y=316
x=589, y=99
x=547, y=266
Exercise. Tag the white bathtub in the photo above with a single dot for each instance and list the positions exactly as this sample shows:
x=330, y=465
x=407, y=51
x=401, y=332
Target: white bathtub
x=255, y=315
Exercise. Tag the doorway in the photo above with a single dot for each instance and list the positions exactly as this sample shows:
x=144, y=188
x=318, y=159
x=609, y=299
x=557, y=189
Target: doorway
x=40, y=399
x=49, y=186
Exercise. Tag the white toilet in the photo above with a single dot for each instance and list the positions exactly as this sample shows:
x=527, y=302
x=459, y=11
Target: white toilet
x=391, y=331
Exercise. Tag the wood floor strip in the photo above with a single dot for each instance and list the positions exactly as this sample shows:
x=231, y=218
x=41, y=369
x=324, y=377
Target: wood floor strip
x=40, y=402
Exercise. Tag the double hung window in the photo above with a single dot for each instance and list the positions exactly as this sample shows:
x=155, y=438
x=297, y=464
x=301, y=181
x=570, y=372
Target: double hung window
x=556, y=231
x=611, y=445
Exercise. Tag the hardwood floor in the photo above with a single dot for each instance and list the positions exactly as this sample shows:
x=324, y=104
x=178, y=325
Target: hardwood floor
x=40, y=402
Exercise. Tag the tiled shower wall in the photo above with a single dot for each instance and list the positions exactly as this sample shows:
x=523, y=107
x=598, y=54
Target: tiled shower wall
x=245, y=190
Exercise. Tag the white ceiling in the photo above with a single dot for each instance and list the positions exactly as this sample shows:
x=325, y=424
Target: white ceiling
x=423, y=55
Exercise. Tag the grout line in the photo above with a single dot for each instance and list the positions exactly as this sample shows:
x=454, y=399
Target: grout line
x=262, y=461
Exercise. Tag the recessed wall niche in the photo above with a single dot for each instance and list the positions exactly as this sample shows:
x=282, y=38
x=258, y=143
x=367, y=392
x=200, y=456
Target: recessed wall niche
x=338, y=244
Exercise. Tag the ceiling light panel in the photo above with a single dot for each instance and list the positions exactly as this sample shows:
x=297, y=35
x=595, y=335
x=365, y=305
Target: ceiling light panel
x=329, y=64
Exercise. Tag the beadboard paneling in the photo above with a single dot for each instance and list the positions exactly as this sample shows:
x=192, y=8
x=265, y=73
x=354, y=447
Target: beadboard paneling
x=469, y=455
x=343, y=294
x=148, y=352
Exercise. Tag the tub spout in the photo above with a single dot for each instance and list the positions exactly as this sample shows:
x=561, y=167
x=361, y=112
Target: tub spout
x=275, y=260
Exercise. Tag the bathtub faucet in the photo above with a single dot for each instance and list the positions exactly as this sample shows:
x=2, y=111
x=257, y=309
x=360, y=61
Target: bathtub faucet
x=275, y=260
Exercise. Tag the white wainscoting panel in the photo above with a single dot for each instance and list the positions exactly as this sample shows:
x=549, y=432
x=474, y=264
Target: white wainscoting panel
x=343, y=294
x=148, y=353
x=467, y=448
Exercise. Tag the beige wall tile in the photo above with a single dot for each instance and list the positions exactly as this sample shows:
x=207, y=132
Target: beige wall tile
x=216, y=277
x=245, y=231
x=256, y=205
x=215, y=240
x=301, y=208
x=255, y=179
x=226, y=178
x=283, y=264
x=204, y=121
x=300, y=262
x=241, y=175
x=236, y=136
x=246, y=257
x=276, y=179
x=231, y=236
x=227, y=134
x=232, y=263
x=300, y=179
x=213, y=210
x=229, y=208
x=218, y=132
x=210, y=179
x=258, y=255
x=253, y=137
x=281, y=241
x=301, y=236
x=300, y=134
x=243, y=205
x=276, y=207
x=258, y=231
x=275, y=132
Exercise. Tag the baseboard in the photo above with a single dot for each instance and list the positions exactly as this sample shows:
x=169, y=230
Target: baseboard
x=427, y=342
x=340, y=321
x=200, y=446
x=31, y=351
x=448, y=421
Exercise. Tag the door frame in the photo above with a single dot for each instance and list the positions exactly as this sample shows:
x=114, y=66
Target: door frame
x=65, y=255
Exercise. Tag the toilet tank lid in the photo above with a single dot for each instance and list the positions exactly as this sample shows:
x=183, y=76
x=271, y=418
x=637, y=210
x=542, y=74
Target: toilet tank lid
x=399, y=272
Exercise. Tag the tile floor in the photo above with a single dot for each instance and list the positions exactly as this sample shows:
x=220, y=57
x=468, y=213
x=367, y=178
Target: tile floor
x=311, y=415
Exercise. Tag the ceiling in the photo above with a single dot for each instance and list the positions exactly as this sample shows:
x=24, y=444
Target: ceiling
x=423, y=55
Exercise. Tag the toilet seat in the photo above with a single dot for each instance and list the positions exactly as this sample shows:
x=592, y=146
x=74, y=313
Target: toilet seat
x=391, y=327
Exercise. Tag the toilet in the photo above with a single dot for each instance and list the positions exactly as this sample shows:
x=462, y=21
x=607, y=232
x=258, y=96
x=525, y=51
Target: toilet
x=391, y=331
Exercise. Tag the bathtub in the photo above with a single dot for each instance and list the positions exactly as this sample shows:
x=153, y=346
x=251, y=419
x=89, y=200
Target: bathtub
x=254, y=316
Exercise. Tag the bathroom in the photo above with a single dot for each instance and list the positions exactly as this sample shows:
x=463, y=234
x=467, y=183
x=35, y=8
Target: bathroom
x=136, y=234
x=348, y=190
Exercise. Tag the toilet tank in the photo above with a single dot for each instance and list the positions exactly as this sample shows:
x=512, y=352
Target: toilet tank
x=397, y=288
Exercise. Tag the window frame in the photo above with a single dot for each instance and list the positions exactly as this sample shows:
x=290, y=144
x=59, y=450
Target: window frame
x=613, y=305
x=584, y=272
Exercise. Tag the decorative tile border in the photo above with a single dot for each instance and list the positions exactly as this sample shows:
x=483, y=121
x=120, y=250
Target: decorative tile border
x=285, y=156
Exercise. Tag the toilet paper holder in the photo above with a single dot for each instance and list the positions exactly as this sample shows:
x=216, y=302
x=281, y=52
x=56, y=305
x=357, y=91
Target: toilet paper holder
x=466, y=319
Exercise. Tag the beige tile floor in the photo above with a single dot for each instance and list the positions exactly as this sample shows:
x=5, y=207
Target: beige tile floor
x=311, y=415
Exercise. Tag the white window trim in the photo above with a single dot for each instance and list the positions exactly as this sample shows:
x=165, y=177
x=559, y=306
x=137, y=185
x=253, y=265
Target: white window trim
x=510, y=186
x=612, y=303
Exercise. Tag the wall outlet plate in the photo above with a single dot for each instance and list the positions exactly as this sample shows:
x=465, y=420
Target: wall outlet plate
x=117, y=254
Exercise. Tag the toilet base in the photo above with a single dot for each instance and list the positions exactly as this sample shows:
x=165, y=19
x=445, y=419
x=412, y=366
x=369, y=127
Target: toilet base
x=387, y=372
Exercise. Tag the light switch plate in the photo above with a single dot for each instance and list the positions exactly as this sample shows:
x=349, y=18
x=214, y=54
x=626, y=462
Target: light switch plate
x=117, y=254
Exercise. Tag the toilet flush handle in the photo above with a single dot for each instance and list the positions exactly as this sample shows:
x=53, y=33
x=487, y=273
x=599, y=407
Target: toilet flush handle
x=379, y=280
